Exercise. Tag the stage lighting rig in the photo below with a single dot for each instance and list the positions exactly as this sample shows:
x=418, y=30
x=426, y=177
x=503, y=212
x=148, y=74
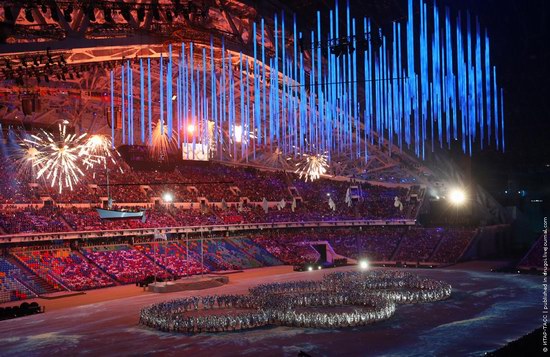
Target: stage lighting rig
x=344, y=45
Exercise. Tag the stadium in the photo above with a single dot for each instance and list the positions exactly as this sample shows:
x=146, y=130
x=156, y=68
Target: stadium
x=314, y=178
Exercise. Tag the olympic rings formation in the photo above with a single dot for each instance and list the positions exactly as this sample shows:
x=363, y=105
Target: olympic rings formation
x=371, y=296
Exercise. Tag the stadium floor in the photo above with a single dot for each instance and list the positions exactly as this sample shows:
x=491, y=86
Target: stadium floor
x=485, y=311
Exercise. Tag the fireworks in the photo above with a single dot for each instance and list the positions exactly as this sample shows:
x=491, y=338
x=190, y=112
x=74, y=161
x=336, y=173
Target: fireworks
x=162, y=145
x=57, y=157
x=312, y=166
x=98, y=150
x=28, y=160
x=275, y=159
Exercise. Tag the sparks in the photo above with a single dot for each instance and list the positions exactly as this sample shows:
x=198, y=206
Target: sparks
x=98, y=150
x=162, y=145
x=312, y=166
x=275, y=159
x=28, y=160
x=59, y=157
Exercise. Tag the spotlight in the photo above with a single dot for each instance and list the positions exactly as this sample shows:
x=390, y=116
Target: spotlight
x=190, y=128
x=457, y=197
x=168, y=197
x=319, y=267
x=309, y=268
x=364, y=264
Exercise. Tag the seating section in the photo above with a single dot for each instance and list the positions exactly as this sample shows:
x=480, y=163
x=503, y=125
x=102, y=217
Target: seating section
x=377, y=243
x=374, y=243
x=123, y=263
x=222, y=255
x=11, y=286
x=71, y=268
x=173, y=257
x=12, y=188
x=110, y=262
x=418, y=245
x=201, y=185
x=453, y=244
x=30, y=220
x=256, y=251
x=282, y=245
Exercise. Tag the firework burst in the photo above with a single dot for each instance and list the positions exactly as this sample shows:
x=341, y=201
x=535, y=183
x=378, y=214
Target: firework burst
x=275, y=159
x=312, y=166
x=58, y=159
x=28, y=160
x=97, y=150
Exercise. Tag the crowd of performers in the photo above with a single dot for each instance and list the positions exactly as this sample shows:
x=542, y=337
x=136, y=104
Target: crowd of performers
x=361, y=298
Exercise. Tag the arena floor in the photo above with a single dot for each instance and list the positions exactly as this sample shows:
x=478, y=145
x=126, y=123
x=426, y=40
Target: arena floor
x=485, y=311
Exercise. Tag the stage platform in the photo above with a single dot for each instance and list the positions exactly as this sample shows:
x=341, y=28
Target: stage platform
x=191, y=283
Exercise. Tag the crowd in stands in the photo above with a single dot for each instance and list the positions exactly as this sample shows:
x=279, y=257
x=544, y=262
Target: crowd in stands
x=287, y=246
x=12, y=188
x=11, y=286
x=377, y=243
x=123, y=263
x=221, y=184
x=69, y=267
x=31, y=220
x=173, y=257
x=219, y=254
x=453, y=244
x=94, y=263
x=418, y=244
